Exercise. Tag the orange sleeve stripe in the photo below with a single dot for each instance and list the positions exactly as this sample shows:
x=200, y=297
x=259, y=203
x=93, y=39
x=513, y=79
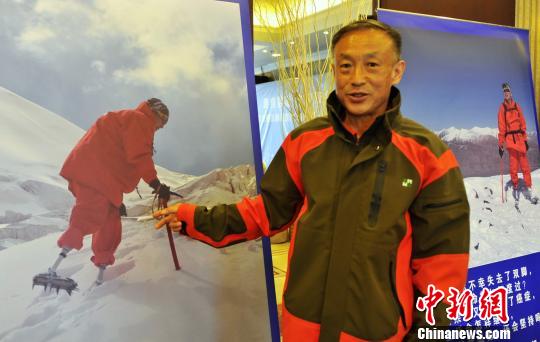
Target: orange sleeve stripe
x=254, y=215
x=186, y=213
x=429, y=167
x=297, y=148
x=436, y=170
x=443, y=271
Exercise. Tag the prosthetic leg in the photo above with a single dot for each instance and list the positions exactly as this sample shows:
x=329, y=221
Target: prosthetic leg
x=99, y=279
x=52, y=280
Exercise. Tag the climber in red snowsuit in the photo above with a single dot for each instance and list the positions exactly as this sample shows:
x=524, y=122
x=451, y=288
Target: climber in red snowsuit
x=513, y=133
x=108, y=161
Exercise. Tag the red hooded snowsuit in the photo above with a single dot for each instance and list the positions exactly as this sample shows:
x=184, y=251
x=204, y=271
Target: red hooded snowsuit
x=109, y=160
x=513, y=132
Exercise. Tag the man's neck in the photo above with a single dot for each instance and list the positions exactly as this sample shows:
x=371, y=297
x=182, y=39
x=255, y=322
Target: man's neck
x=361, y=123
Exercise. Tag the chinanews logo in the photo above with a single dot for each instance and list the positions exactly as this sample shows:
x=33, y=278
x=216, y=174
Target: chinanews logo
x=490, y=304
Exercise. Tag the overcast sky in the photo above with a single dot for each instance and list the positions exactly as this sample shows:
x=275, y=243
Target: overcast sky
x=81, y=59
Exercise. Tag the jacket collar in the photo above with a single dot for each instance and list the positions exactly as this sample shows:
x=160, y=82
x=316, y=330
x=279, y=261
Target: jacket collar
x=146, y=110
x=380, y=131
x=510, y=102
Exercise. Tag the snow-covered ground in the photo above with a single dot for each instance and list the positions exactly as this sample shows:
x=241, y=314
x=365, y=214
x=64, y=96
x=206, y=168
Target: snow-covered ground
x=216, y=296
x=219, y=295
x=498, y=230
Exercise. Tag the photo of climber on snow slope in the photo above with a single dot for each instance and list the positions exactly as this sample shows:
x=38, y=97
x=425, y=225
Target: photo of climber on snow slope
x=456, y=92
x=108, y=161
x=514, y=140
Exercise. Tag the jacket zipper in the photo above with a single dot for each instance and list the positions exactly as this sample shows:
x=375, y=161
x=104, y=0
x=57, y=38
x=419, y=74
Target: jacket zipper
x=441, y=205
x=376, y=198
x=396, y=298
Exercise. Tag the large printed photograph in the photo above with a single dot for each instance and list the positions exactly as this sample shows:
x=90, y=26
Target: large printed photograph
x=471, y=84
x=474, y=90
x=68, y=66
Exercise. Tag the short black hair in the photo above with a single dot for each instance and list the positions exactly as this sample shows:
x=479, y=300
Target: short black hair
x=365, y=24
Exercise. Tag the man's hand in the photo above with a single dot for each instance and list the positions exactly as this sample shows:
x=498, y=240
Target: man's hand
x=122, y=210
x=501, y=151
x=168, y=216
x=162, y=190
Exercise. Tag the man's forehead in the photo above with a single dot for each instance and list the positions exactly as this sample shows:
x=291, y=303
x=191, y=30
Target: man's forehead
x=364, y=54
x=369, y=40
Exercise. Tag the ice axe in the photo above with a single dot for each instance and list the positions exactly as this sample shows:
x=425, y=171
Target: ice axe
x=163, y=205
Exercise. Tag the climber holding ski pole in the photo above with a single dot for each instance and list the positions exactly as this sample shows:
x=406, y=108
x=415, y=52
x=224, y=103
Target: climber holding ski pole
x=513, y=138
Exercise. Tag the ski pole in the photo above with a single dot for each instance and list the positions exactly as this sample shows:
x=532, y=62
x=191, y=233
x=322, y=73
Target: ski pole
x=502, y=190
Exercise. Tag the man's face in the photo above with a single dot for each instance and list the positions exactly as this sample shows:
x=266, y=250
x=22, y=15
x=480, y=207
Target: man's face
x=365, y=67
x=161, y=120
x=507, y=95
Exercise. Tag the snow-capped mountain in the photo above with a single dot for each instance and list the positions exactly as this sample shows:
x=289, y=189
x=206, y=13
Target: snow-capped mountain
x=462, y=134
x=477, y=150
x=143, y=297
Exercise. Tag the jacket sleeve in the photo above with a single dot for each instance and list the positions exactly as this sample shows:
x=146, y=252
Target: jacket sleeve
x=137, y=137
x=272, y=211
x=523, y=123
x=440, y=232
x=502, y=125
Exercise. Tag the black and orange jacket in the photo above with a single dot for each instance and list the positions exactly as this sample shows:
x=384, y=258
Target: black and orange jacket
x=375, y=222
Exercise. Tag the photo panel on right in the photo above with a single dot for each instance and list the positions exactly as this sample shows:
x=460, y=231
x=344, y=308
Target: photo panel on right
x=471, y=84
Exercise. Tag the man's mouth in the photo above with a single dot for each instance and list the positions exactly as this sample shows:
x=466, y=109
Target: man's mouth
x=357, y=96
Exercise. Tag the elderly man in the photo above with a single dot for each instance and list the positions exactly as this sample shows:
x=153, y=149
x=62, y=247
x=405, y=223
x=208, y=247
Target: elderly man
x=377, y=202
x=513, y=134
x=108, y=161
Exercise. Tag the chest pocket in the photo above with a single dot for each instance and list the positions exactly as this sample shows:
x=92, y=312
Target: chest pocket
x=376, y=197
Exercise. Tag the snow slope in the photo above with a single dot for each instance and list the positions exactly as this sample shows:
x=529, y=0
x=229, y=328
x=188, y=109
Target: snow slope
x=218, y=294
x=498, y=230
x=34, y=142
x=215, y=297
x=31, y=135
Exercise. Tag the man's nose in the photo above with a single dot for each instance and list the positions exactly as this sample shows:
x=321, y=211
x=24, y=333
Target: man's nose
x=358, y=76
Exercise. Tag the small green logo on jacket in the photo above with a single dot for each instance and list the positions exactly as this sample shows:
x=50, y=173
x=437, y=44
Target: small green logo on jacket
x=406, y=183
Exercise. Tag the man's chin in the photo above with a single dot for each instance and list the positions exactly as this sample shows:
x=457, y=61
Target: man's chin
x=358, y=113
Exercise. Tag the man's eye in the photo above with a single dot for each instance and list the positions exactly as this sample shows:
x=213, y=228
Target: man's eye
x=372, y=64
x=345, y=65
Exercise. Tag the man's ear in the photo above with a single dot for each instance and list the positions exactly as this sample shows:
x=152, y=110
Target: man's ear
x=398, y=71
